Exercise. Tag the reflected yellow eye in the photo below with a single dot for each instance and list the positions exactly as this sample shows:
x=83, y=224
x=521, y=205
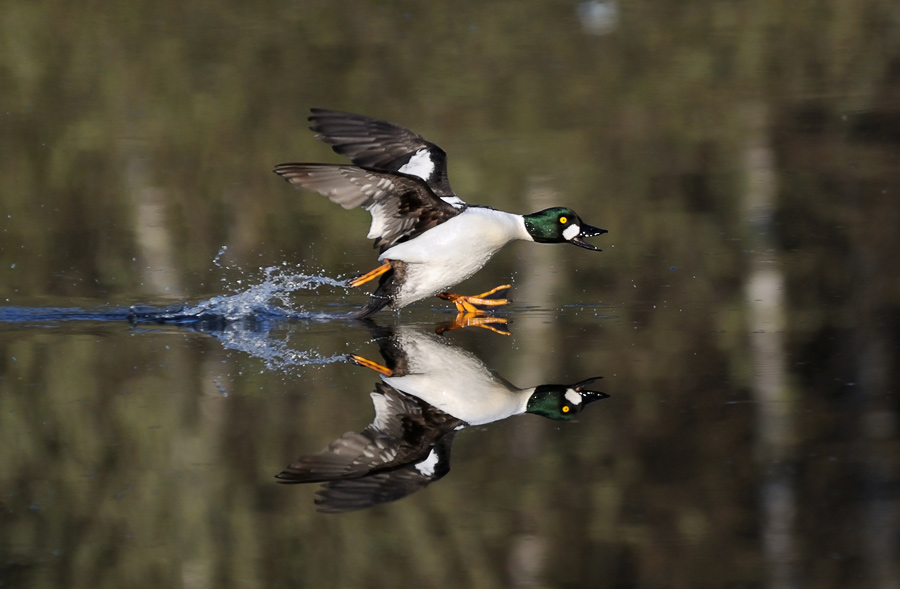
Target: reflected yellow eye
x=563, y=220
x=566, y=409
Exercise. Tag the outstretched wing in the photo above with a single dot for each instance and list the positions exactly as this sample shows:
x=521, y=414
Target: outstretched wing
x=341, y=496
x=403, y=434
x=380, y=145
x=402, y=206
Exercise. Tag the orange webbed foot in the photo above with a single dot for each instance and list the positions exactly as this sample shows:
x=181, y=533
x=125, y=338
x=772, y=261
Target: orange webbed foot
x=463, y=320
x=360, y=280
x=481, y=303
x=371, y=364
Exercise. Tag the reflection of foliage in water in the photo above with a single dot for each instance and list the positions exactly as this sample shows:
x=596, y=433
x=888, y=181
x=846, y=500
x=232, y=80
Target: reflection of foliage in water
x=642, y=129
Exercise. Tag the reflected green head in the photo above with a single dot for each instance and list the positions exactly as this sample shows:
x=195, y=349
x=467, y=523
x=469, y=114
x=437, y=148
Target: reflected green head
x=561, y=402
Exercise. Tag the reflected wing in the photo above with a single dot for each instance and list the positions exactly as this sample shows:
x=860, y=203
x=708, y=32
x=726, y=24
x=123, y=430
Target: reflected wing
x=403, y=434
x=352, y=455
x=384, y=146
x=350, y=495
x=402, y=206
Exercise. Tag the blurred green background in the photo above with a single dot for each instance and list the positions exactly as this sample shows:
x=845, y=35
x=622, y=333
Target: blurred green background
x=745, y=311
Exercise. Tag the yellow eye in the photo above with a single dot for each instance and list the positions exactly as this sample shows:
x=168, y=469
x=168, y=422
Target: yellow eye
x=563, y=220
x=566, y=409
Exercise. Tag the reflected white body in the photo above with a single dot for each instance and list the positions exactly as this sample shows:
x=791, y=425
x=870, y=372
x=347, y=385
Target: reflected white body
x=455, y=381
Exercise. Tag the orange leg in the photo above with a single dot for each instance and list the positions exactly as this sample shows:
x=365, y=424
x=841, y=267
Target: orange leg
x=366, y=363
x=371, y=275
x=463, y=320
x=471, y=305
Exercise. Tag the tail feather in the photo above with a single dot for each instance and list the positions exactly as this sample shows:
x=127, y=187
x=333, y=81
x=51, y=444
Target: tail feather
x=372, y=306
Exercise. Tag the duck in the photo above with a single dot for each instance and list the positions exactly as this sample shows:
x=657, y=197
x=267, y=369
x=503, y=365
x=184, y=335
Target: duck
x=455, y=381
x=429, y=390
x=428, y=238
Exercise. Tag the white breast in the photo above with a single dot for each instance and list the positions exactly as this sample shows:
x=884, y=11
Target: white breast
x=454, y=250
x=456, y=382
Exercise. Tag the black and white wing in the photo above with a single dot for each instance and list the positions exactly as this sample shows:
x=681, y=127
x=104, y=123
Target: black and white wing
x=402, y=206
x=380, y=145
x=402, y=436
x=346, y=495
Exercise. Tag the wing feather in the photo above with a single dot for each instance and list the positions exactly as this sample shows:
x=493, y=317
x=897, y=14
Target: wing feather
x=402, y=206
x=380, y=145
x=403, y=432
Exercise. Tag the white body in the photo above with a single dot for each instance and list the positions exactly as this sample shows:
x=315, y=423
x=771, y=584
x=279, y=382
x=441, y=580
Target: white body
x=454, y=250
x=455, y=381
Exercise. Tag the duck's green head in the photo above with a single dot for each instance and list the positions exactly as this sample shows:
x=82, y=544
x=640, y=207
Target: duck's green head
x=560, y=225
x=562, y=401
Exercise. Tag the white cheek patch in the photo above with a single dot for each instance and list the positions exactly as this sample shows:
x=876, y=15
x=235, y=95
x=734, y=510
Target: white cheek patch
x=573, y=397
x=426, y=467
x=571, y=231
x=419, y=164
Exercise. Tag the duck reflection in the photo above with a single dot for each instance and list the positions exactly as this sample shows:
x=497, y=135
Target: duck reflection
x=429, y=390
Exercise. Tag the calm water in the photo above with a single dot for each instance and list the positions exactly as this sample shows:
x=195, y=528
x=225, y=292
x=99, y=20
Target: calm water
x=170, y=336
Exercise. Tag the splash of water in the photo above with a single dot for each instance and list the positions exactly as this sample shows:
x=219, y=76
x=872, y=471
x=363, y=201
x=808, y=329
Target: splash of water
x=250, y=320
x=243, y=321
x=276, y=354
x=270, y=298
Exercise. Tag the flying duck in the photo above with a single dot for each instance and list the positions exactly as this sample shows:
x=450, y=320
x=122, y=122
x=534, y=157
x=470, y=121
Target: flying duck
x=428, y=238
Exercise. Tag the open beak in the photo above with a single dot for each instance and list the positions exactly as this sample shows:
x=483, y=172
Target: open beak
x=587, y=231
x=587, y=395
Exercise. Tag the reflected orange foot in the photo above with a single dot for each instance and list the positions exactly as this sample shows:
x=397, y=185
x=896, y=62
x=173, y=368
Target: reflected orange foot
x=478, y=304
x=371, y=275
x=365, y=362
x=462, y=320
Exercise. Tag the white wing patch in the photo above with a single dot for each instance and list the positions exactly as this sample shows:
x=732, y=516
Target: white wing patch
x=381, y=410
x=454, y=201
x=426, y=467
x=571, y=231
x=420, y=165
x=573, y=396
x=376, y=228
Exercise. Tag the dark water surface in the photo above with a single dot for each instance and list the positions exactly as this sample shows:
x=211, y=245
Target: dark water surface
x=170, y=310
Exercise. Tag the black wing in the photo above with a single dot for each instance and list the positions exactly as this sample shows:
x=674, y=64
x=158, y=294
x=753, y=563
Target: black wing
x=350, y=495
x=371, y=143
x=401, y=206
x=402, y=435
